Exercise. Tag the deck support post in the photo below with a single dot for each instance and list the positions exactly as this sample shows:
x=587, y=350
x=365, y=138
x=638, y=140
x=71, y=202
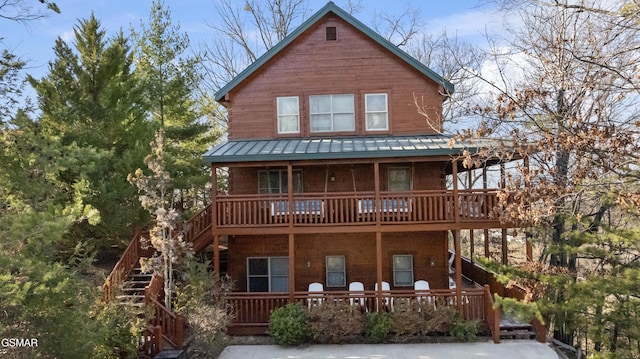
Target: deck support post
x=456, y=235
x=528, y=236
x=292, y=252
x=485, y=186
x=471, y=237
x=376, y=176
x=214, y=223
x=505, y=246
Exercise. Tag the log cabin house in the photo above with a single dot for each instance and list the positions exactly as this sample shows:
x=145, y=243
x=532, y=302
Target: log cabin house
x=335, y=178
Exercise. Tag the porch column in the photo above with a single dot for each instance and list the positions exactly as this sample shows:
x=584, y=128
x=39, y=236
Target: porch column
x=471, y=239
x=505, y=247
x=485, y=185
x=376, y=175
x=292, y=261
x=456, y=236
x=528, y=236
x=214, y=222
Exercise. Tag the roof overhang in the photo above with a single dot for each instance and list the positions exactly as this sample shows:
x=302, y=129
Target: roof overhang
x=346, y=148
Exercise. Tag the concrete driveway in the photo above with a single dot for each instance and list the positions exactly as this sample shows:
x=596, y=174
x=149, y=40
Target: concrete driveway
x=485, y=350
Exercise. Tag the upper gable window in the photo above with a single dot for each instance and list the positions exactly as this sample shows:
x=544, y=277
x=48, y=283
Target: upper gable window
x=377, y=112
x=332, y=113
x=288, y=115
x=331, y=33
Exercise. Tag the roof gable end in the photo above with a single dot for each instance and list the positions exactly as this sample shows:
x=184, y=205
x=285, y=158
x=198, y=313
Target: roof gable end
x=331, y=7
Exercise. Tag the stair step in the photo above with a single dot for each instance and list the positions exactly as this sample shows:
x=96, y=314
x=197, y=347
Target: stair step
x=136, y=284
x=134, y=290
x=134, y=297
x=518, y=334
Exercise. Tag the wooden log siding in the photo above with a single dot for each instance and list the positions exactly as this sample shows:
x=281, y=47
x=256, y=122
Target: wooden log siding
x=254, y=309
x=353, y=208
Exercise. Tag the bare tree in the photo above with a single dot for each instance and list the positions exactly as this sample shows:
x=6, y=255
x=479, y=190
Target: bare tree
x=401, y=28
x=565, y=90
x=458, y=62
x=25, y=10
x=246, y=32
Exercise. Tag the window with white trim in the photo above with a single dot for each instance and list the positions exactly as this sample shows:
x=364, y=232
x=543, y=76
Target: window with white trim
x=399, y=179
x=331, y=113
x=268, y=274
x=336, y=271
x=377, y=114
x=288, y=115
x=275, y=181
x=403, y=270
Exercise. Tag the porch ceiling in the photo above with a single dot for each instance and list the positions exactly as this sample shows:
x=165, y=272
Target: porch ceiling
x=333, y=148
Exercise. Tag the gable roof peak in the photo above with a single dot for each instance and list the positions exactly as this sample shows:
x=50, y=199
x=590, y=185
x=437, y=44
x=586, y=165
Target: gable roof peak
x=331, y=7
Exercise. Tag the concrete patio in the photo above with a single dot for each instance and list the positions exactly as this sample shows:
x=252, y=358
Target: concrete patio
x=514, y=349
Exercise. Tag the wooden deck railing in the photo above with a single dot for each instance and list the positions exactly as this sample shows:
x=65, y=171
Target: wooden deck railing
x=351, y=208
x=172, y=324
x=254, y=309
x=165, y=325
x=129, y=260
x=493, y=315
x=150, y=343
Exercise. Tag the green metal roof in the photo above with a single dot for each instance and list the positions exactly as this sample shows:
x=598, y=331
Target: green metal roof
x=331, y=7
x=287, y=149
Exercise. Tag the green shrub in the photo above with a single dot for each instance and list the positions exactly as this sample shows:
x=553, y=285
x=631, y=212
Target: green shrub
x=335, y=322
x=289, y=325
x=464, y=330
x=377, y=326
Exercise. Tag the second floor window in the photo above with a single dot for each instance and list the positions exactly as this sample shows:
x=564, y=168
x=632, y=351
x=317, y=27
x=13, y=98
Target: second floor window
x=331, y=113
x=288, y=115
x=400, y=179
x=377, y=112
x=275, y=181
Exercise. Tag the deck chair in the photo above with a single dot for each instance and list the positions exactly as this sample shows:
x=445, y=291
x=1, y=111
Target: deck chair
x=387, y=300
x=315, y=294
x=452, y=258
x=422, y=287
x=356, y=293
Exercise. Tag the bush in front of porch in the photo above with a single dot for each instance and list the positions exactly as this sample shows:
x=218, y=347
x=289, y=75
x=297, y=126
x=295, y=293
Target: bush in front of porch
x=289, y=325
x=337, y=322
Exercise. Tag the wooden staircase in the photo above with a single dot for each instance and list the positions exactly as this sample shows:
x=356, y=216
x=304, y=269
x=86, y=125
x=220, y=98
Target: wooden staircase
x=511, y=329
x=127, y=283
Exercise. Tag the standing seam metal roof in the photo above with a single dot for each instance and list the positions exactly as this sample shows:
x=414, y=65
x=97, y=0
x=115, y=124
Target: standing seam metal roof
x=286, y=149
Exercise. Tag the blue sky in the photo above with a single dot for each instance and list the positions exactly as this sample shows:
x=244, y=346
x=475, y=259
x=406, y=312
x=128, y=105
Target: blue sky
x=34, y=41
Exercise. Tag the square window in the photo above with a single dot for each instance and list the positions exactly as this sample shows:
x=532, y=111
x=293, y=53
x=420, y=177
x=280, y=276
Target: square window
x=399, y=179
x=403, y=270
x=332, y=113
x=268, y=274
x=336, y=271
x=288, y=115
x=377, y=113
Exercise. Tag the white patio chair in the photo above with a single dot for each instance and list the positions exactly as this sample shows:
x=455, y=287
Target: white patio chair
x=315, y=294
x=386, y=297
x=422, y=287
x=452, y=258
x=356, y=292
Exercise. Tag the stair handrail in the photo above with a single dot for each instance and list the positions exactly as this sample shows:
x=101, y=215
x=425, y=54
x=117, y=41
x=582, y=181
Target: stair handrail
x=493, y=314
x=198, y=224
x=123, y=267
x=172, y=323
